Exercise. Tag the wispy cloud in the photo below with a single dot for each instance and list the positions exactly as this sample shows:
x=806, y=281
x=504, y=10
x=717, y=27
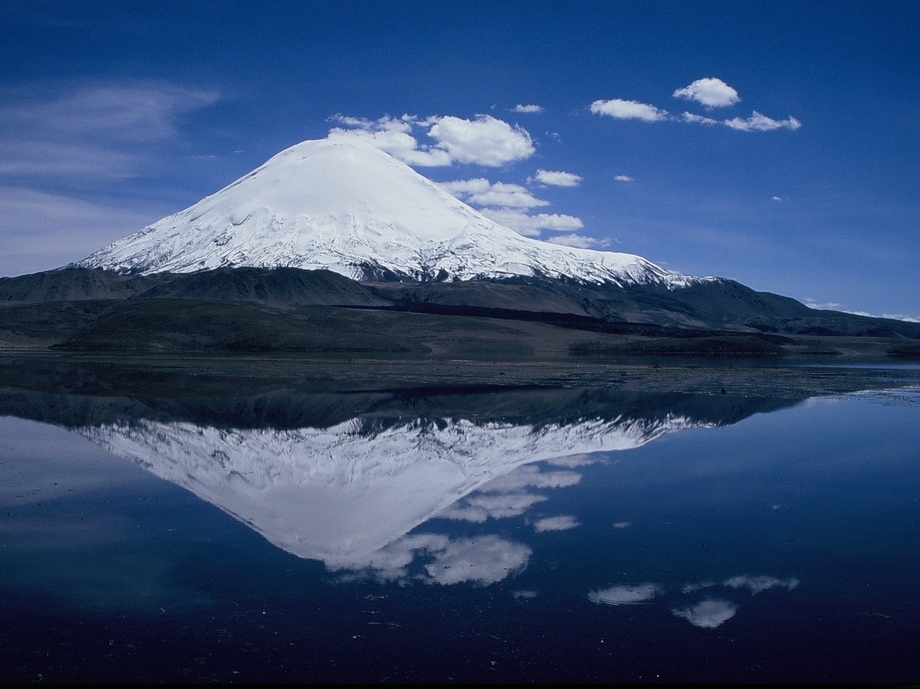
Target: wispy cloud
x=93, y=134
x=629, y=594
x=698, y=119
x=711, y=92
x=756, y=584
x=624, y=178
x=761, y=123
x=836, y=306
x=41, y=230
x=59, y=146
x=527, y=108
x=824, y=306
x=93, y=131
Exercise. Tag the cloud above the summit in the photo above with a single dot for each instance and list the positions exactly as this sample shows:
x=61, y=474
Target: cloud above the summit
x=531, y=225
x=484, y=140
x=508, y=205
x=481, y=192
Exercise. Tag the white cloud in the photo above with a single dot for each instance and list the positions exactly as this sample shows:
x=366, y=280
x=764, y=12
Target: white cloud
x=622, y=525
x=711, y=92
x=572, y=461
x=479, y=508
x=506, y=496
x=561, y=523
x=761, y=123
x=482, y=193
x=761, y=583
x=527, y=108
x=483, y=141
x=530, y=225
x=577, y=241
x=755, y=123
x=708, y=614
x=483, y=560
x=558, y=179
x=529, y=476
x=625, y=595
x=826, y=306
x=463, y=188
x=698, y=119
x=391, y=562
x=624, y=178
x=506, y=203
x=394, y=136
x=776, y=198
x=628, y=110
x=524, y=594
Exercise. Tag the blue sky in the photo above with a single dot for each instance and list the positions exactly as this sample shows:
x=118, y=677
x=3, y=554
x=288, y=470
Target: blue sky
x=775, y=143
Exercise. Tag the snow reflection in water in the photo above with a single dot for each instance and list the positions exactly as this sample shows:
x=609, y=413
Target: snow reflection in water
x=757, y=540
x=342, y=494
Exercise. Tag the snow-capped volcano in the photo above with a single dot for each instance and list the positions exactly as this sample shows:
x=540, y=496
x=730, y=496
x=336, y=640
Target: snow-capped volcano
x=346, y=206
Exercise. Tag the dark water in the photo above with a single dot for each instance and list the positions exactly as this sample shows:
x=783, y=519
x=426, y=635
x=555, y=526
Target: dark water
x=551, y=535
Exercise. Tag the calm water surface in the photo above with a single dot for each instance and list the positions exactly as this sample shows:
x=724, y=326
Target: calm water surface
x=579, y=538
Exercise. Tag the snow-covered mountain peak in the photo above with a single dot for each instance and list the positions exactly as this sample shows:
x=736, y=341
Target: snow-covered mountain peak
x=344, y=205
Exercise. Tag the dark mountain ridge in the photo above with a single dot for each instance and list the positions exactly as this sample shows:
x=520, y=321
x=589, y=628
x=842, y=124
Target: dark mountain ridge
x=259, y=309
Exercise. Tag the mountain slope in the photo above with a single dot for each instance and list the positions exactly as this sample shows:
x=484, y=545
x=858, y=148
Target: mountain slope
x=353, y=209
x=74, y=284
x=274, y=287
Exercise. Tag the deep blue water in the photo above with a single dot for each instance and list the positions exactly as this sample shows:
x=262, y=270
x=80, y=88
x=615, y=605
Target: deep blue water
x=784, y=546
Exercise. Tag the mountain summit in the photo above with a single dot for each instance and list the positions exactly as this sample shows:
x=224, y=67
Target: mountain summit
x=346, y=206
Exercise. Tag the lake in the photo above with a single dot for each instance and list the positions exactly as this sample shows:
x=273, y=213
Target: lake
x=604, y=532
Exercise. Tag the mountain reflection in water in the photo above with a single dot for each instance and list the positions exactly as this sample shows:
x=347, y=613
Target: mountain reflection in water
x=308, y=532
x=347, y=492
